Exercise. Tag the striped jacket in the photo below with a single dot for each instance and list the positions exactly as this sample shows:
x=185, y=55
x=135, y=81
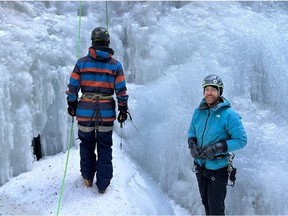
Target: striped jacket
x=100, y=73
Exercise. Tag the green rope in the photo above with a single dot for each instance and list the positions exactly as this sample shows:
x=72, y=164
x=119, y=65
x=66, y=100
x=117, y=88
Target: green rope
x=107, y=15
x=66, y=165
x=72, y=123
x=79, y=28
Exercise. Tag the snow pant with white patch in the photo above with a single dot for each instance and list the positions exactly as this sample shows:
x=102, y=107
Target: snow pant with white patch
x=88, y=163
x=213, y=188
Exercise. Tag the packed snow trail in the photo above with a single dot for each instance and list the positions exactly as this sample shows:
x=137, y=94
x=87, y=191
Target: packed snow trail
x=132, y=192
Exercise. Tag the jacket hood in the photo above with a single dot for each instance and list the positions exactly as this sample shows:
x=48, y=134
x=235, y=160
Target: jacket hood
x=101, y=53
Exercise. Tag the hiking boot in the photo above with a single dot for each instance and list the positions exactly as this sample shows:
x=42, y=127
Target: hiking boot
x=88, y=183
x=101, y=191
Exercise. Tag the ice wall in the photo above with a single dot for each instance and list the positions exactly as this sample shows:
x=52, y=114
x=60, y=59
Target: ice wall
x=246, y=44
x=36, y=60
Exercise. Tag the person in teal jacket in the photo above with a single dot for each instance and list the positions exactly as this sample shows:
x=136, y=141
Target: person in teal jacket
x=215, y=130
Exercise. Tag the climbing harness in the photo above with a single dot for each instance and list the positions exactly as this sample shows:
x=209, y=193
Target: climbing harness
x=230, y=169
x=96, y=96
x=97, y=114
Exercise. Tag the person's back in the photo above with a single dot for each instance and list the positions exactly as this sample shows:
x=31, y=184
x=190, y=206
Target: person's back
x=98, y=75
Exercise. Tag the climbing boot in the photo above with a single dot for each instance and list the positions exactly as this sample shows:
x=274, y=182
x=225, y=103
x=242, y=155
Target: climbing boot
x=88, y=183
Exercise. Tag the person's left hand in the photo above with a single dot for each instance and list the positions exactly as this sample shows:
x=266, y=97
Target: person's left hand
x=72, y=108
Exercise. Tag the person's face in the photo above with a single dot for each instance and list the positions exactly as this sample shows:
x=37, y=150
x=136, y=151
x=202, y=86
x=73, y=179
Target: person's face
x=211, y=95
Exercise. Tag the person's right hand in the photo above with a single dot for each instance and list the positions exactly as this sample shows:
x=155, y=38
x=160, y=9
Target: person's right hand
x=195, y=150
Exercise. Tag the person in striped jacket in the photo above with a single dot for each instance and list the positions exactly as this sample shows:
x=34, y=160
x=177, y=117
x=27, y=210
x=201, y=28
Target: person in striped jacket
x=98, y=75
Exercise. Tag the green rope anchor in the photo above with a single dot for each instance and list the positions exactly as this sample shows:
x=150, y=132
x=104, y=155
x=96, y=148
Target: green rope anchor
x=72, y=123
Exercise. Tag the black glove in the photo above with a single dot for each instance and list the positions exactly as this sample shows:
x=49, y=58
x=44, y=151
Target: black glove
x=122, y=116
x=195, y=150
x=72, y=108
x=210, y=150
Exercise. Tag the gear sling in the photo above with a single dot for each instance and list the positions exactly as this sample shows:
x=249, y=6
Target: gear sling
x=230, y=170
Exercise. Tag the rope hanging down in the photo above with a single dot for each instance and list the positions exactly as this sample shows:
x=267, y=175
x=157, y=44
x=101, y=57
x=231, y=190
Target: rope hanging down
x=107, y=16
x=79, y=28
x=72, y=123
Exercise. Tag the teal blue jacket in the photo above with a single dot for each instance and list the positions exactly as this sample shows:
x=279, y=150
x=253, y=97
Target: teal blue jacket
x=220, y=123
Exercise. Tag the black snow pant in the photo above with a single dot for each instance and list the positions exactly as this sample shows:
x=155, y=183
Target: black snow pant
x=213, y=188
x=102, y=166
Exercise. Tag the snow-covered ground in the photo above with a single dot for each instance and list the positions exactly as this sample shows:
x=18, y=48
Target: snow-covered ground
x=131, y=192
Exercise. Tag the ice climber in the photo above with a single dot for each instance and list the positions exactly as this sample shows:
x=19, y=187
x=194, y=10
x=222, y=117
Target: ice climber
x=215, y=130
x=98, y=75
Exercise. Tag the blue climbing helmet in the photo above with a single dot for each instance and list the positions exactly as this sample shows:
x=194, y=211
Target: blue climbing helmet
x=100, y=36
x=213, y=80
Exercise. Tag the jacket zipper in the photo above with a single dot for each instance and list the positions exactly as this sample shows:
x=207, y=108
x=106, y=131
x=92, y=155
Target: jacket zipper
x=205, y=127
x=206, y=121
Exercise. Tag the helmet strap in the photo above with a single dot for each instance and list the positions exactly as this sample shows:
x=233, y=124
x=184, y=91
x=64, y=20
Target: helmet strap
x=99, y=43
